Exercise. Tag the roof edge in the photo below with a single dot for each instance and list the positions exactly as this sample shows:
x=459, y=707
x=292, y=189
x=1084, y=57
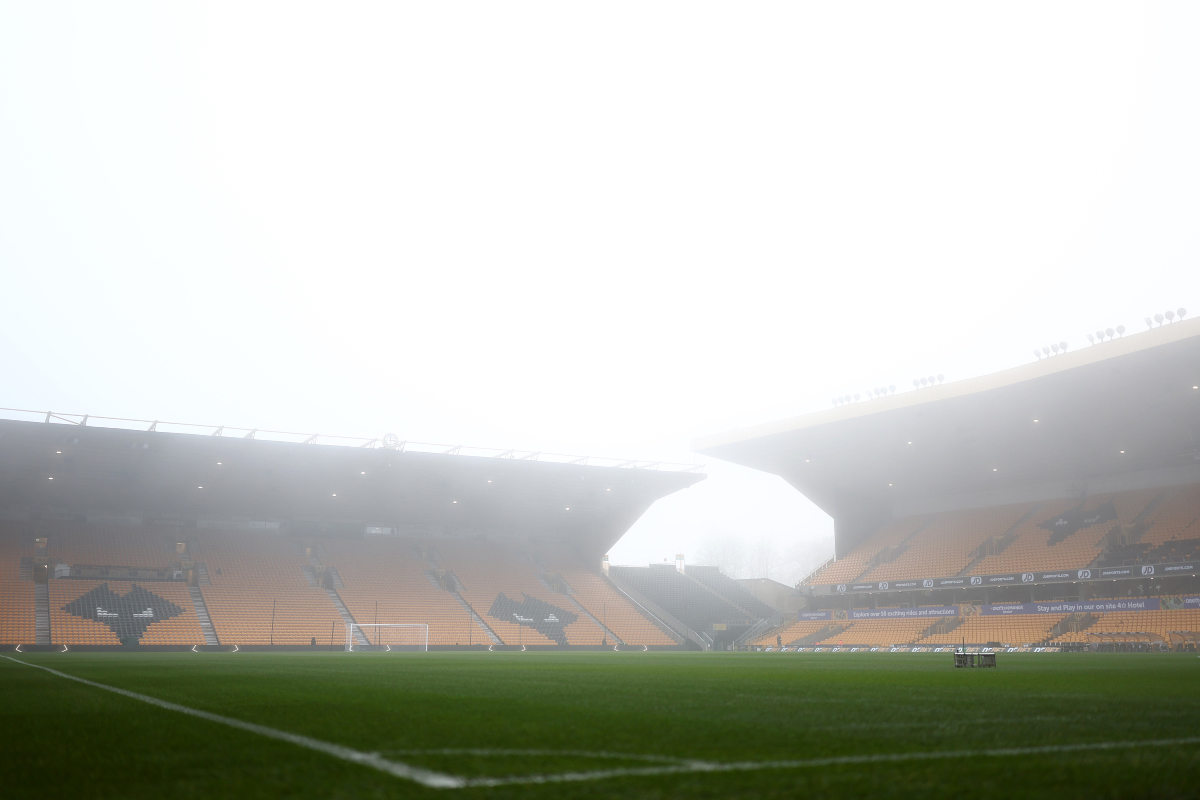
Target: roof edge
x=1114, y=348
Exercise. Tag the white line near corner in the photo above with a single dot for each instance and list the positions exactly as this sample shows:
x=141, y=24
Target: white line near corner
x=435, y=780
x=746, y=766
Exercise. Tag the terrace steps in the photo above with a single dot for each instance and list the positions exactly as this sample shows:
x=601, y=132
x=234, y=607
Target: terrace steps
x=41, y=613
x=344, y=613
x=206, y=626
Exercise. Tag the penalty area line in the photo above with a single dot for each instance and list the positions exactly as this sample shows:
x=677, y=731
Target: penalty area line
x=436, y=780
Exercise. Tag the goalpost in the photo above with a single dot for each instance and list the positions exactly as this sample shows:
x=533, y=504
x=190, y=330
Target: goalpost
x=412, y=636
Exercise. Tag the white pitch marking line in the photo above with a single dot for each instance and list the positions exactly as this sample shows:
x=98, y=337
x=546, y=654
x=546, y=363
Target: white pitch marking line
x=745, y=766
x=436, y=780
x=439, y=780
x=488, y=751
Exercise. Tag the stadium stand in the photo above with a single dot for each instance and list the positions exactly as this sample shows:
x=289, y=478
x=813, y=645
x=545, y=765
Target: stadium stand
x=609, y=606
x=730, y=590
x=858, y=560
x=259, y=593
x=106, y=612
x=386, y=580
x=879, y=632
x=1016, y=630
x=1138, y=526
x=690, y=601
x=947, y=544
x=797, y=632
x=1158, y=625
x=16, y=589
x=266, y=587
x=506, y=589
x=114, y=545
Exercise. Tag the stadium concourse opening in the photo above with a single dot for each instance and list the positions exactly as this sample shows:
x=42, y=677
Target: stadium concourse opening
x=1052, y=506
x=115, y=537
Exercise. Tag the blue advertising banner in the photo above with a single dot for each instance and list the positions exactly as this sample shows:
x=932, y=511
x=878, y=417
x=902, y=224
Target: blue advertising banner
x=931, y=612
x=1165, y=603
x=1017, y=578
x=1084, y=607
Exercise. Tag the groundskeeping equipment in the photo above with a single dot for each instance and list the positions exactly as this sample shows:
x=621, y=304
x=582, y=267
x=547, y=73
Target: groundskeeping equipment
x=964, y=659
x=387, y=638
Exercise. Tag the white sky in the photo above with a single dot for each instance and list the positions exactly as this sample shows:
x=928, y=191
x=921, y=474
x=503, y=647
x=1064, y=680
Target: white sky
x=598, y=229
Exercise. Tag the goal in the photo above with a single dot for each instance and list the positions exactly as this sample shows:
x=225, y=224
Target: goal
x=386, y=637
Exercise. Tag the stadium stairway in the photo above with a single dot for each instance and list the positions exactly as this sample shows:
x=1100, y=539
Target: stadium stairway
x=607, y=631
x=344, y=613
x=662, y=619
x=474, y=616
x=1072, y=624
x=892, y=552
x=998, y=544
x=206, y=626
x=827, y=632
x=941, y=625
x=41, y=613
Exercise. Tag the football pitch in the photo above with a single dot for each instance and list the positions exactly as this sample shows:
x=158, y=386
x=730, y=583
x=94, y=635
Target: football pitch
x=597, y=724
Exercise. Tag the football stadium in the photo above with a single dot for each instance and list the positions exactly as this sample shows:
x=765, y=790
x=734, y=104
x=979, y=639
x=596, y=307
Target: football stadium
x=204, y=610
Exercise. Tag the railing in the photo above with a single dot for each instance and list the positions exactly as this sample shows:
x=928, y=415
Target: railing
x=809, y=578
x=759, y=628
x=388, y=441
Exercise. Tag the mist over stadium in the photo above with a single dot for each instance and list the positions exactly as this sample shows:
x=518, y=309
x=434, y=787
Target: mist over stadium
x=535, y=400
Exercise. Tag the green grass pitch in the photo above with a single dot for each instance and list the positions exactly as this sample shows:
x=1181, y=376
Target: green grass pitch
x=501, y=715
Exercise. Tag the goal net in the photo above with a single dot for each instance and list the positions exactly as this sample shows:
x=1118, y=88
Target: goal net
x=386, y=637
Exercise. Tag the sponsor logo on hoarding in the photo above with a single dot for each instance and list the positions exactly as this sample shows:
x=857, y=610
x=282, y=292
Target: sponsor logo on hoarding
x=841, y=587
x=883, y=584
x=976, y=581
x=928, y=584
x=1085, y=574
x=1026, y=577
x=1147, y=570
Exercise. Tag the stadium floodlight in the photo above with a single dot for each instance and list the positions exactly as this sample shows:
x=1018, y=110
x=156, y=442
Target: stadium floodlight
x=834, y=401
x=1149, y=323
x=1054, y=347
x=923, y=381
x=1091, y=338
x=916, y=383
x=378, y=636
x=1182, y=313
x=1170, y=315
x=941, y=377
x=1036, y=352
x=892, y=388
x=1046, y=351
x=1158, y=318
x=1063, y=345
x=1121, y=329
x=856, y=397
